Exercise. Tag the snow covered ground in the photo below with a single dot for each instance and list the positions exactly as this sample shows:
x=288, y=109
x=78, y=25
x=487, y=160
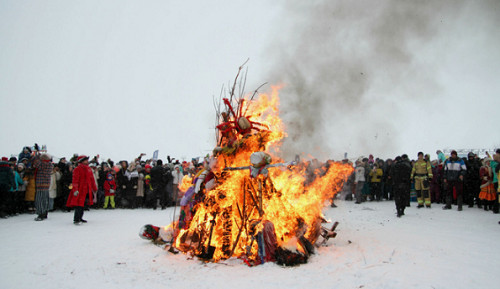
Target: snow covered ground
x=427, y=248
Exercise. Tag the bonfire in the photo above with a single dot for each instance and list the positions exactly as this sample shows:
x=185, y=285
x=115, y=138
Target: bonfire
x=248, y=203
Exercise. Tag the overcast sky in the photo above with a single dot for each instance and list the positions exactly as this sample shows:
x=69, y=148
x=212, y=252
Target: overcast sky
x=118, y=78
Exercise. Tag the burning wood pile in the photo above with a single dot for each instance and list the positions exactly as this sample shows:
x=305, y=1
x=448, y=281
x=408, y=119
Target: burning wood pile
x=247, y=202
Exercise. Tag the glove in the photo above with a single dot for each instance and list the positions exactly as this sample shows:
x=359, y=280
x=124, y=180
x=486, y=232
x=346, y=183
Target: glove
x=75, y=193
x=111, y=191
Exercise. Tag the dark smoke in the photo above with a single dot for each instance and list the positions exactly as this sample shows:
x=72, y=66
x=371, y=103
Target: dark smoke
x=347, y=68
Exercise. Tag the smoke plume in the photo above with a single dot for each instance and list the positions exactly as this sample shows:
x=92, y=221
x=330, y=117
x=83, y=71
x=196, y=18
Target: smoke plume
x=351, y=68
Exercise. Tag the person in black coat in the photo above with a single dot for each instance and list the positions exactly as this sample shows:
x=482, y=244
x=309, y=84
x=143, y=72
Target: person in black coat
x=64, y=186
x=122, y=184
x=400, y=175
x=388, y=193
x=6, y=184
x=159, y=186
x=472, y=182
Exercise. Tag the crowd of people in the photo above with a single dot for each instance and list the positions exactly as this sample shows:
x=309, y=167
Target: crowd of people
x=469, y=181
x=33, y=183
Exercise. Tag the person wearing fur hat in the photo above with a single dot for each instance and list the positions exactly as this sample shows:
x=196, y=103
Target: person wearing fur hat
x=454, y=173
x=44, y=167
x=84, y=186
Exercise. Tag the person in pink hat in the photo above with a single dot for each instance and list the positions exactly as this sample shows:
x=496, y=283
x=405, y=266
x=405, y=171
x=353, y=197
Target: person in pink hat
x=83, y=189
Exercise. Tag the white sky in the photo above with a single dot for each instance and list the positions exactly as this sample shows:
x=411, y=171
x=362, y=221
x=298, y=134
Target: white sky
x=118, y=78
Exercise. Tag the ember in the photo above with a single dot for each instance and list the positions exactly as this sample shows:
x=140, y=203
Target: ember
x=249, y=203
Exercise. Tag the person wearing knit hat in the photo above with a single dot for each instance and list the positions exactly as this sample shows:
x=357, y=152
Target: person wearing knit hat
x=84, y=186
x=453, y=177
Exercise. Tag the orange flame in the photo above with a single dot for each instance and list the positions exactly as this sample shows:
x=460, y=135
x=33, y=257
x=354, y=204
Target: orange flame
x=187, y=182
x=290, y=197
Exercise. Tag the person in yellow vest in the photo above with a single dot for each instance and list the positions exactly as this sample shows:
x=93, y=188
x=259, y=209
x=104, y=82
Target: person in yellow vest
x=376, y=177
x=422, y=173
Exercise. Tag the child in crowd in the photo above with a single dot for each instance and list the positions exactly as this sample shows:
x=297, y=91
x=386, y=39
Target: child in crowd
x=109, y=190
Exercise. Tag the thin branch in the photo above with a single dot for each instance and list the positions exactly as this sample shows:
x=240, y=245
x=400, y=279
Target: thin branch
x=251, y=98
x=236, y=78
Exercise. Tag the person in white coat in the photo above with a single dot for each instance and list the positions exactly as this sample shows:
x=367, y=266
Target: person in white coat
x=54, y=178
x=176, y=182
x=359, y=181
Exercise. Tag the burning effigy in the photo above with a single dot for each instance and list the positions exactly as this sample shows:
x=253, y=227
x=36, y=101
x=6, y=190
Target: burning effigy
x=247, y=202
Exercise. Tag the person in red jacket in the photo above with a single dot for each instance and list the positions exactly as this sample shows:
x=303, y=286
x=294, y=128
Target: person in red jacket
x=109, y=190
x=83, y=187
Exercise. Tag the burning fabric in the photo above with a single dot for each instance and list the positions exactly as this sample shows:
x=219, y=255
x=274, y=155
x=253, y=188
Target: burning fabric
x=247, y=202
